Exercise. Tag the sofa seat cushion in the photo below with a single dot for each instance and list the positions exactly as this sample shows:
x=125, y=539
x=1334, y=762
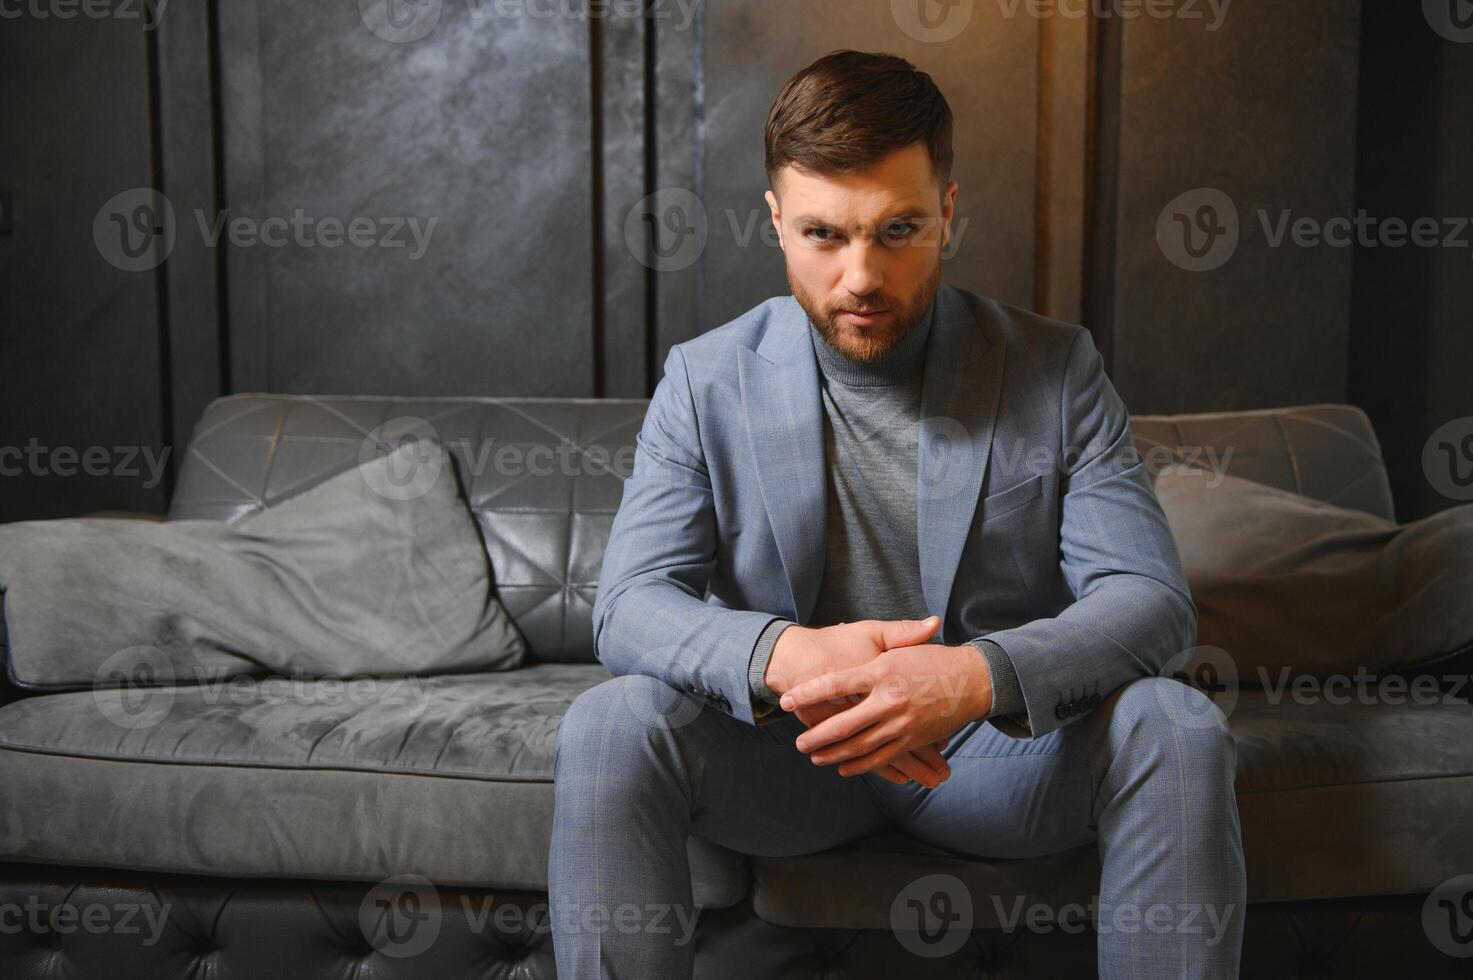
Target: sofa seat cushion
x=449, y=777
x=1334, y=799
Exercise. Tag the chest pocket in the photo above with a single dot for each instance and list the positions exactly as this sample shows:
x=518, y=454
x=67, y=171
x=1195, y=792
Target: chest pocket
x=1004, y=577
x=1013, y=498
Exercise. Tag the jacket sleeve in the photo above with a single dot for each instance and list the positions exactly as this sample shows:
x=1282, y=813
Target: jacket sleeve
x=649, y=614
x=1133, y=610
x=1007, y=697
x=765, y=699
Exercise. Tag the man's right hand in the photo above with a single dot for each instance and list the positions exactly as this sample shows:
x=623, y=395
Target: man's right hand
x=803, y=652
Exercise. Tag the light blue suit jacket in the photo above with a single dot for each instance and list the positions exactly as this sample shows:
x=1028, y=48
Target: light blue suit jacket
x=1037, y=523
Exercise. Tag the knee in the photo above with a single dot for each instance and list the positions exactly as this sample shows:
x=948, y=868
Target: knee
x=1164, y=713
x=620, y=710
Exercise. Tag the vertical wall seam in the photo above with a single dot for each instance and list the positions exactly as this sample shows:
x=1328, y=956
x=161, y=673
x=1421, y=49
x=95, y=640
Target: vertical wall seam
x=217, y=152
x=698, y=162
x=651, y=171
x=596, y=168
x=160, y=272
x=1102, y=145
x=1042, y=173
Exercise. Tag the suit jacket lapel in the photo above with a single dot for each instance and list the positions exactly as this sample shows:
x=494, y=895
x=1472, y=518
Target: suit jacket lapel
x=959, y=399
x=780, y=396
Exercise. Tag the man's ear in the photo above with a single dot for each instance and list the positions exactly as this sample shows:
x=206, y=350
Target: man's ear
x=777, y=223
x=948, y=208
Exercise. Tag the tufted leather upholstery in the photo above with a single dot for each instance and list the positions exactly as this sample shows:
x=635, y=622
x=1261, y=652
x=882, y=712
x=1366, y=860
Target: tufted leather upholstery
x=544, y=475
x=544, y=505
x=1328, y=452
x=229, y=929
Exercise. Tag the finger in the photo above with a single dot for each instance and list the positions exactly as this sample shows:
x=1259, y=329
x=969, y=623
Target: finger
x=934, y=759
x=940, y=744
x=888, y=753
x=907, y=632
x=894, y=775
x=860, y=744
x=828, y=687
x=842, y=725
x=915, y=768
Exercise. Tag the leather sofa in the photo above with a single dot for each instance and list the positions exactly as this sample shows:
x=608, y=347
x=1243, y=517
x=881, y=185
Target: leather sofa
x=255, y=839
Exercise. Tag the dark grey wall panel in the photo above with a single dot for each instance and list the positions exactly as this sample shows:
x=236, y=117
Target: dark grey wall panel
x=478, y=131
x=717, y=81
x=79, y=337
x=1450, y=363
x=187, y=138
x=1262, y=109
x=559, y=156
x=678, y=71
x=1064, y=82
x=1412, y=313
x=622, y=293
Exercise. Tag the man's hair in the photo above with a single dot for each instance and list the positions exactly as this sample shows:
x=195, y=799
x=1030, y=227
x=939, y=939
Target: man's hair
x=850, y=109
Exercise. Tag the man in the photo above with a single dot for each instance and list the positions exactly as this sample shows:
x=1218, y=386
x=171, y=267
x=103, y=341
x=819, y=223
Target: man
x=914, y=516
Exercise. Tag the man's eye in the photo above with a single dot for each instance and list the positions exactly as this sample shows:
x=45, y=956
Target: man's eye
x=820, y=231
x=899, y=231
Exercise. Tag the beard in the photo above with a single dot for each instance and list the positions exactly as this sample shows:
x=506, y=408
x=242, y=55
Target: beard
x=867, y=344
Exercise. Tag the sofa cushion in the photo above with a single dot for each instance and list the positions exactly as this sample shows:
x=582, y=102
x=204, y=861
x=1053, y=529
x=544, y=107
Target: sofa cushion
x=378, y=569
x=1288, y=585
x=543, y=477
x=448, y=777
x=1334, y=799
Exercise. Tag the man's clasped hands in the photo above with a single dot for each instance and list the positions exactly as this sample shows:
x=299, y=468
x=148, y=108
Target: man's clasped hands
x=875, y=696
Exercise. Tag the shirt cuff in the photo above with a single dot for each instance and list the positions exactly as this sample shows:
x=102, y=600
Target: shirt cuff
x=757, y=666
x=1007, y=695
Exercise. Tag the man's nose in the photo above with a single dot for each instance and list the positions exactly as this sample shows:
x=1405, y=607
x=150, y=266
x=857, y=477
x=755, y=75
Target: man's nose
x=863, y=271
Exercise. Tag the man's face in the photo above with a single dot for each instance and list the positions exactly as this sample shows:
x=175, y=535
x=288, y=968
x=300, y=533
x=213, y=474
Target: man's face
x=864, y=243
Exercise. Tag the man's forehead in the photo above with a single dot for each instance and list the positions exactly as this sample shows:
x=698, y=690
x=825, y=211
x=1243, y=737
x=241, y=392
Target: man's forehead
x=854, y=199
x=837, y=219
x=841, y=207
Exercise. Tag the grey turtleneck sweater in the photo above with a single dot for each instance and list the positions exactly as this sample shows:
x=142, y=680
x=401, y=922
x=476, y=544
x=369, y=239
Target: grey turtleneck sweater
x=872, y=563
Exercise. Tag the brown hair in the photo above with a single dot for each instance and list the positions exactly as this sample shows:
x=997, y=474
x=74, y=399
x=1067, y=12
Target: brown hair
x=849, y=109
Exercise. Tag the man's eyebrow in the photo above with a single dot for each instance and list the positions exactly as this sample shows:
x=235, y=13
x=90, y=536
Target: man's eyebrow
x=910, y=212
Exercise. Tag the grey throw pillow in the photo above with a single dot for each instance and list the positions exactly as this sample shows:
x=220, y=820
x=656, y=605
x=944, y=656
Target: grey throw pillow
x=1282, y=581
x=366, y=573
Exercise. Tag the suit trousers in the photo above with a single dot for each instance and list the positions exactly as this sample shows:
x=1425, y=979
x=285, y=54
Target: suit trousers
x=1147, y=774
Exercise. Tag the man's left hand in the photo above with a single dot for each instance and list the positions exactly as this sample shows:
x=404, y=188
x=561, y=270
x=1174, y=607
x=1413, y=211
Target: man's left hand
x=912, y=696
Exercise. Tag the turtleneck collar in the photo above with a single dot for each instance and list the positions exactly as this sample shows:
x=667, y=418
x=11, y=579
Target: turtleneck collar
x=903, y=364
